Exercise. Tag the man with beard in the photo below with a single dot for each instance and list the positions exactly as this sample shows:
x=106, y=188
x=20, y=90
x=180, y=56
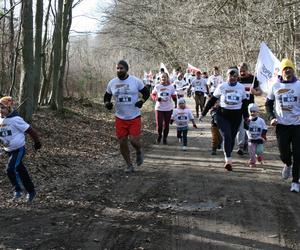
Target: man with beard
x=125, y=89
x=252, y=88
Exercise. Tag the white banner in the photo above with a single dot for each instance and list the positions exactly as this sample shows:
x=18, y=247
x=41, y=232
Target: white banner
x=162, y=66
x=192, y=68
x=267, y=68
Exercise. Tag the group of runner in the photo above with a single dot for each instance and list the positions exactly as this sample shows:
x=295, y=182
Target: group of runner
x=230, y=102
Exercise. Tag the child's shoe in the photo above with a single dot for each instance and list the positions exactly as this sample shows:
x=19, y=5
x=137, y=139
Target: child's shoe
x=228, y=165
x=259, y=158
x=30, y=196
x=17, y=195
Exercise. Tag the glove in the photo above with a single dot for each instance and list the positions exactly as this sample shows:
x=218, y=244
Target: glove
x=139, y=104
x=37, y=145
x=159, y=99
x=171, y=121
x=109, y=105
x=195, y=126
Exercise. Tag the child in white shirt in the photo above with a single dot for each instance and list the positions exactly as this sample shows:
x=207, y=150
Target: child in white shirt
x=182, y=115
x=256, y=130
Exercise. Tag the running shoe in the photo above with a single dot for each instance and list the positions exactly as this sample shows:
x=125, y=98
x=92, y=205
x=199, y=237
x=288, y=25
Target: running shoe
x=286, y=172
x=17, y=195
x=30, y=196
x=129, y=169
x=295, y=187
x=184, y=148
x=228, y=166
x=139, y=158
x=240, y=152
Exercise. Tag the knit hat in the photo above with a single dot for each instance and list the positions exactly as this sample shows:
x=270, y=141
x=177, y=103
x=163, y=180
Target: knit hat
x=181, y=101
x=286, y=63
x=124, y=63
x=253, y=107
x=6, y=101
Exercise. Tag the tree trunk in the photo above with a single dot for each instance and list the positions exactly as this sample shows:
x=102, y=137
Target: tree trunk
x=57, y=49
x=27, y=65
x=38, y=50
x=46, y=75
x=66, y=25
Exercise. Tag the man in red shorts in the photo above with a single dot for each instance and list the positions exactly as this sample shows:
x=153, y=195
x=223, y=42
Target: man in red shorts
x=125, y=89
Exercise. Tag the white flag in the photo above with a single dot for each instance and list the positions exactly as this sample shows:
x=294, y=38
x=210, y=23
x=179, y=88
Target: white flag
x=162, y=66
x=193, y=68
x=267, y=68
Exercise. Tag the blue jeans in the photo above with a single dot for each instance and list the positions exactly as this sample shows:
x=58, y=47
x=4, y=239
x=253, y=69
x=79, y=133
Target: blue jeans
x=17, y=172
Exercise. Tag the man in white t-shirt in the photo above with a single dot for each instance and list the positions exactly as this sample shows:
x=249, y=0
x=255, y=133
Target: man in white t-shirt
x=125, y=89
x=214, y=80
x=285, y=95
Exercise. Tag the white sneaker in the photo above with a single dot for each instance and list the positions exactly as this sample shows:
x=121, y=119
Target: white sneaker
x=295, y=187
x=286, y=172
x=184, y=148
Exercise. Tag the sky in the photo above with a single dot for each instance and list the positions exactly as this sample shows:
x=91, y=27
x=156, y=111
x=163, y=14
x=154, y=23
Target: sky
x=85, y=15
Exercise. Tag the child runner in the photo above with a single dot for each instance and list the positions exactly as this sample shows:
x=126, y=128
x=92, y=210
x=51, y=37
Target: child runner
x=12, y=135
x=256, y=131
x=182, y=115
x=216, y=137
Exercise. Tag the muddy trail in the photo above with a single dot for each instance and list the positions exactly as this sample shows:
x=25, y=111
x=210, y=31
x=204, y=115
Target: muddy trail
x=175, y=200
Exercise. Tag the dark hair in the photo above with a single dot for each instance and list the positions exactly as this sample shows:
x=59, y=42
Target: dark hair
x=244, y=66
x=216, y=68
x=123, y=63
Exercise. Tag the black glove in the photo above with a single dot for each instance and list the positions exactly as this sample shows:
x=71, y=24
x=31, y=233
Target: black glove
x=159, y=99
x=109, y=105
x=37, y=145
x=139, y=104
x=171, y=121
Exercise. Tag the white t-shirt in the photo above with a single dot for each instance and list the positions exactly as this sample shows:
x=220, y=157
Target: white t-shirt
x=126, y=94
x=12, y=131
x=182, y=117
x=231, y=97
x=181, y=86
x=165, y=92
x=255, y=129
x=213, y=81
x=199, y=85
x=287, y=102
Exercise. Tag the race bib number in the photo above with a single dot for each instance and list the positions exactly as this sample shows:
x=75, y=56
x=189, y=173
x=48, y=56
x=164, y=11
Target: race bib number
x=182, y=118
x=124, y=99
x=255, y=132
x=197, y=88
x=164, y=96
x=232, y=98
x=288, y=99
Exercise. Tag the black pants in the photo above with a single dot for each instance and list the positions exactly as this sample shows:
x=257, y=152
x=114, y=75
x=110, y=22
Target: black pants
x=229, y=126
x=17, y=172
x=288, y=139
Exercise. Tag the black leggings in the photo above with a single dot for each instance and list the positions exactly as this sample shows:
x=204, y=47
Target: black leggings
x=228, y=126
x=288, y=139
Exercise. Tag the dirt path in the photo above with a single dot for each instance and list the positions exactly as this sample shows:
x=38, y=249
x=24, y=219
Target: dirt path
x=176, y=200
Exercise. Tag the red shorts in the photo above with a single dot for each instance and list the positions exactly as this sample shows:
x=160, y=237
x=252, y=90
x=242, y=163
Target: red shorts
x=128, y=127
